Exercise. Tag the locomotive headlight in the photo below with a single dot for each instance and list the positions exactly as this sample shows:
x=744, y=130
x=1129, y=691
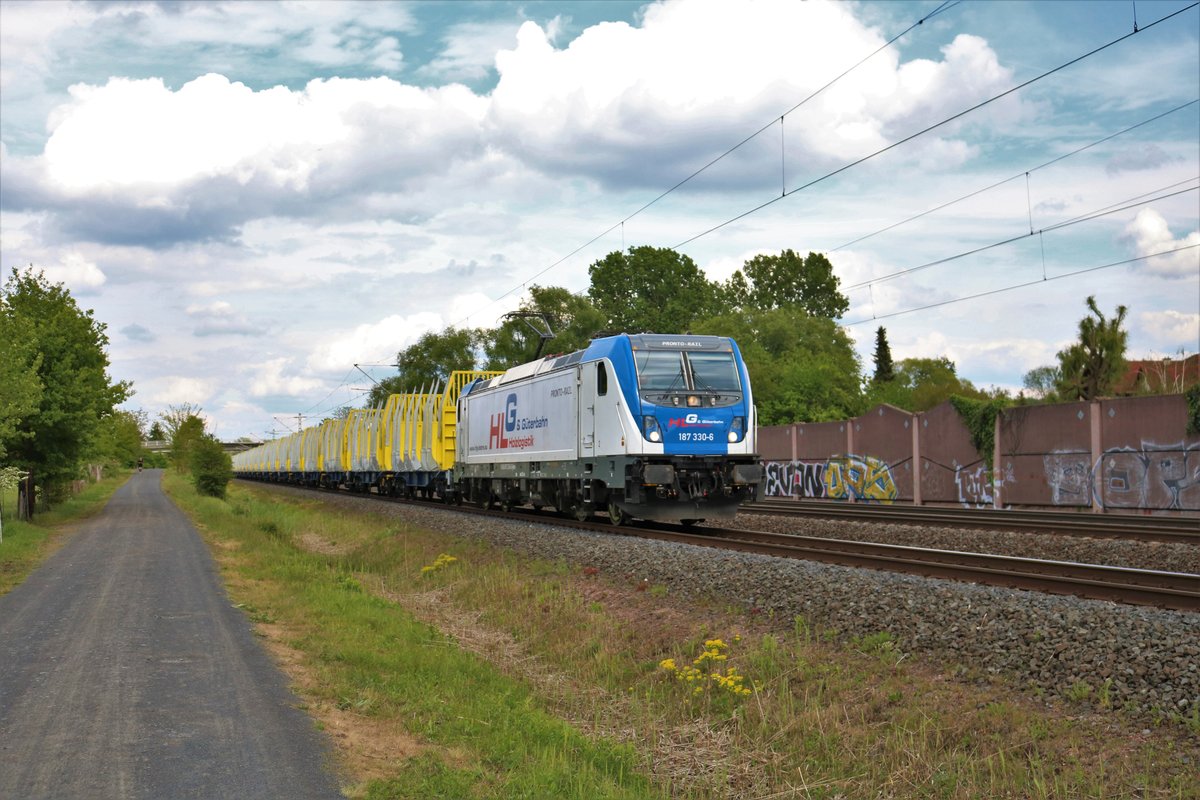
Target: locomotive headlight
x=651, y=429
x=737, y=429
x=693, y=401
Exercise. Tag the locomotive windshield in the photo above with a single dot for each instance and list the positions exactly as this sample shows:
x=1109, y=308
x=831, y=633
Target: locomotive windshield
x=674, y=370
x=714, y=372
x=660, y=370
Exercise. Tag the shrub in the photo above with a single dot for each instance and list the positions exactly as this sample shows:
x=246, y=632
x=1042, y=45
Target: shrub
x=211, y=467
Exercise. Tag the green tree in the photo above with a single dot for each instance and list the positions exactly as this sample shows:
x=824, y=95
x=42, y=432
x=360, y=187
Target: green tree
x=65, y=348
x=802, y=368
x=157, y=432
x=173, y=418
x=651, y=290
x=20, y=385
x=922, y=383
x=120, y=438
x=429, y=360
x=767, y=281
x=184, y=439
x=573, y=320
x=885, y=370
x=211, y=466
x=1090, y=367
x=1042, y=383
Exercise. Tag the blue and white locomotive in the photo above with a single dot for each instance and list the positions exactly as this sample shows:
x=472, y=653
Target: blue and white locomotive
x=651, y=426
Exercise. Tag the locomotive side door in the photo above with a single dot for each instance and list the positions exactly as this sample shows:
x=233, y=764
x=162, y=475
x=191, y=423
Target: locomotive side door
x=586, y=381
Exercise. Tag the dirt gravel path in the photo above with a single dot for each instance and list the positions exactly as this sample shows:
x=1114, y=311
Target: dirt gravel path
x=126, y=673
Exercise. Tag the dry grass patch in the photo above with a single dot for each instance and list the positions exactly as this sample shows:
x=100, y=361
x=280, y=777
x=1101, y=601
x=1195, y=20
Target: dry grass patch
x=314, y=543
x=368, y=748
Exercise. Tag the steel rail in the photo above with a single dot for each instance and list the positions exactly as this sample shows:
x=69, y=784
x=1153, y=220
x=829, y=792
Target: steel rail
x=1175, y=590
x=1158, y=528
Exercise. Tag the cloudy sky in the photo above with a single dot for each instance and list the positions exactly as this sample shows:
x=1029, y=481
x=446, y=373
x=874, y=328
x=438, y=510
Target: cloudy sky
x=257, y=196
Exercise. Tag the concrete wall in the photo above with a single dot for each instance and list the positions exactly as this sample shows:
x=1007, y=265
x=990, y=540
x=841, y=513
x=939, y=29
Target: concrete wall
x=1123, y=454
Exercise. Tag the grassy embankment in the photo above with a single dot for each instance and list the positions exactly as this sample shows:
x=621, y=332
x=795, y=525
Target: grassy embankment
x=442, y=667
x=28, y=544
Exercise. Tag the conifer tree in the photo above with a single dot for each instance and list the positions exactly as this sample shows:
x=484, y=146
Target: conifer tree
x=884, y=369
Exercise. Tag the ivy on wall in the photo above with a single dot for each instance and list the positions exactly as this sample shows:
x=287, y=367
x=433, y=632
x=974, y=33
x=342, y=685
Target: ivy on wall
x=1193, y=409
x=980, y=418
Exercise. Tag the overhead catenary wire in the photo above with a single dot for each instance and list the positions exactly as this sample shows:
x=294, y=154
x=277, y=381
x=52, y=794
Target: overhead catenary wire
x=1132, y=203
x=933, y=127
x=1038, y=281
x=1011, y=178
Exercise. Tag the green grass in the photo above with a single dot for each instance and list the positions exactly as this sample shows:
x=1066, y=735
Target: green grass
x=27, y=544
x=527, y=678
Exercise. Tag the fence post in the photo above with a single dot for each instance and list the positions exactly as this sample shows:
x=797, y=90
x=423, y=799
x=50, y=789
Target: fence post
x=997, y=483
x=916, y=458
x=850, y=495
x=1097, y=476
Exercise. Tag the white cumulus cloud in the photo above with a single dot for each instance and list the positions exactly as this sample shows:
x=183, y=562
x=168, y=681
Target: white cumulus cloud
x=178, y=389
x=383, y=339
x=78, y=274
x=139, y=133
x=1150, y=234
x=277, y=377
x=1170, y=330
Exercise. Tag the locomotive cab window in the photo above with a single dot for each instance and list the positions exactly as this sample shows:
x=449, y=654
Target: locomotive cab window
x=601, y=379
x=663, y=372
x=660, y=370
x=714, y=372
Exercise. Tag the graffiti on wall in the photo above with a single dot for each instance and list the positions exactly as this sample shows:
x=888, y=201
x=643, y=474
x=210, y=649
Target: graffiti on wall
x=1069, y=476
x=863, y=478
x=1150, y=476
x=977, y=485
x=794, y=479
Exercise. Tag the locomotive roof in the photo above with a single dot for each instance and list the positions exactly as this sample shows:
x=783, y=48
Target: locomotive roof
x=605, y=346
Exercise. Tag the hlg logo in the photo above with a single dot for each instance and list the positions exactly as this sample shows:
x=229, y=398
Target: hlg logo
x=692, y=419
x=510, y=413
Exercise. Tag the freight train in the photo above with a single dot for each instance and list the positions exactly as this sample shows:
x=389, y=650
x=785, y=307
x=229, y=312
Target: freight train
x=647, y=425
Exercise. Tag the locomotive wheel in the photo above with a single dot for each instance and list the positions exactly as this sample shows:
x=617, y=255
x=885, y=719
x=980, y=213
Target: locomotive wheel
x=616, y=515
x=581, y=512
x=483, y=499
x=690, y=523
x=506, y=503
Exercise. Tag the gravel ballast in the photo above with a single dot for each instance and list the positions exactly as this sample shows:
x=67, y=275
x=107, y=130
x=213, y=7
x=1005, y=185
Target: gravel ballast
x=1143, y=660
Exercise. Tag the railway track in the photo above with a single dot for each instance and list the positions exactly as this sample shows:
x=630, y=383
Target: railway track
x=1173, y=590
x=1108, y=526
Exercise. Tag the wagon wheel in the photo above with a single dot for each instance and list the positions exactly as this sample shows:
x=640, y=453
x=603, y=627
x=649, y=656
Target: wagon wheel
x=616, y=514
x=483, y=498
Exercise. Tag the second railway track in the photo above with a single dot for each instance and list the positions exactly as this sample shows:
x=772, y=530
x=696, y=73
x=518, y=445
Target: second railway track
x=1108, y=526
